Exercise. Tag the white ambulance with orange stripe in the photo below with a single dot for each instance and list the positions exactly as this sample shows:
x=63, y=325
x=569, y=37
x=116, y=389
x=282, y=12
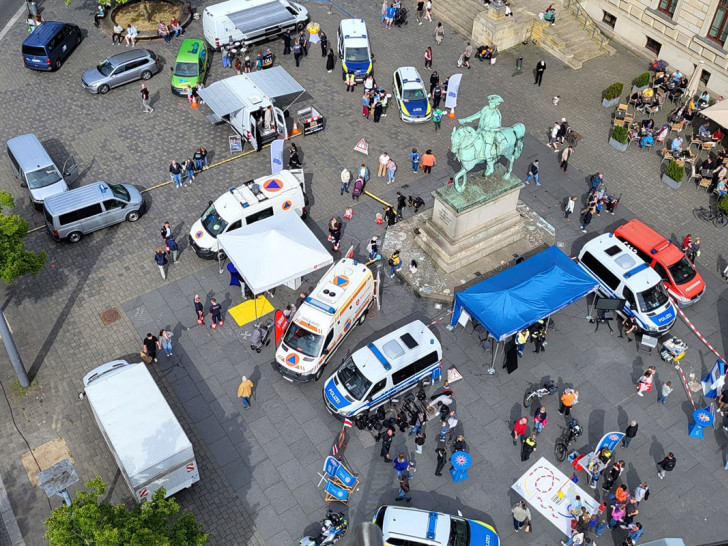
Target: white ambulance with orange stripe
x=340, y=301
x=245, y=204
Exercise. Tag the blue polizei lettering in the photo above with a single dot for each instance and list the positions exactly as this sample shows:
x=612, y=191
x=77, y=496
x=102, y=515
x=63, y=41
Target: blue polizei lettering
x=334, y=396
x=667, y=316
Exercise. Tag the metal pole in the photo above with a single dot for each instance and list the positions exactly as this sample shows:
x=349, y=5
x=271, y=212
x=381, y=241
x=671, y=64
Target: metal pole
x=494, y=349
x=13, y=353
x=66, y=497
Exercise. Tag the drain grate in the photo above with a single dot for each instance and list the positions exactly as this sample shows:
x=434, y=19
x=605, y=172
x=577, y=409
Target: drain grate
x=109, y=316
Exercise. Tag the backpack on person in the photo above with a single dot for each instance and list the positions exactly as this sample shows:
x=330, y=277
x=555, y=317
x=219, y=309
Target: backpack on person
x=669, y=465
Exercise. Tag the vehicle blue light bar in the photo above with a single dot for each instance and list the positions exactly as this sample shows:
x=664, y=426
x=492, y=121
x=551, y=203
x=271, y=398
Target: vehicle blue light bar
x=320, y=305
x=380, y=356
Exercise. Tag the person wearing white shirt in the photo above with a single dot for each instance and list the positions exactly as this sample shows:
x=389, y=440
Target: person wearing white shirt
x=131, y=35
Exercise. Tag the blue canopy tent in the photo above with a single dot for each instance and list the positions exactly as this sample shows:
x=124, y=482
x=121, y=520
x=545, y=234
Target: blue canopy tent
x=524, y=294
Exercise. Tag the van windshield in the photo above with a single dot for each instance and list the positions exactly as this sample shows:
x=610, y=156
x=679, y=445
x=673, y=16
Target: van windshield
x=106, y=68
x=353, y=380
x=459, y=532
x=43, y=177
x=120, y=192
x=302, y=340
x=356, y=54
x=682, y=271
x=186, y=70
x=212, y=222
x=652, y=299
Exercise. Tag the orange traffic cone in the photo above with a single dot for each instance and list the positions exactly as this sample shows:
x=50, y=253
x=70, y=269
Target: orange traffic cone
x=295, y=129
x=194, y=103
x=451, y=114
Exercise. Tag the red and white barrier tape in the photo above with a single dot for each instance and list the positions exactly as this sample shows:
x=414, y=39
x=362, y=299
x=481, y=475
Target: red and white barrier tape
x=441, y=317
x=685, y=383
x=695, y=331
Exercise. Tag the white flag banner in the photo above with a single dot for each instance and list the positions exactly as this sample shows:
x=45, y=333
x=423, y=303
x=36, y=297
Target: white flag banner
x=276, y=156
x=453, y=86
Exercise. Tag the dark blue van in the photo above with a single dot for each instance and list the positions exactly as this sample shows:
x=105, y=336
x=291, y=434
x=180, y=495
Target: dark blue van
x=50, y=44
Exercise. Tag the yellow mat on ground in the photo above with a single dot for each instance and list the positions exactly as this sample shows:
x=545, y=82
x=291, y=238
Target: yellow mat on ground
x=249, y=310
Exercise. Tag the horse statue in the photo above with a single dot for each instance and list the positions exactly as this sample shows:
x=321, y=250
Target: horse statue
x=471, y=147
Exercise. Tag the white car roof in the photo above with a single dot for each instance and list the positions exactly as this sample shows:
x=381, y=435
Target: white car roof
x=621, y=261
x=410, y=74
x=416, y=524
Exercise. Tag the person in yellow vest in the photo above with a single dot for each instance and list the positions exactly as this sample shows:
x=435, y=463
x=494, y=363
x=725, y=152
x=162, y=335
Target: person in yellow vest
x=245, y=390
x=521, y=339
x=350, y=83
x=528, y=446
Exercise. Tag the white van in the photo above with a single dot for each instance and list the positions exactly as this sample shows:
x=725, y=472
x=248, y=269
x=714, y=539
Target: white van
x=354, y=49
x=246, y=204
x=622, y=274
x=384, y=368
x=251, y=21
x=340, y=301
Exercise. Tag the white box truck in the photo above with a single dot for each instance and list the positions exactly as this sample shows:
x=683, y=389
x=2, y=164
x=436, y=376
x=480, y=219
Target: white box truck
x=144, y=436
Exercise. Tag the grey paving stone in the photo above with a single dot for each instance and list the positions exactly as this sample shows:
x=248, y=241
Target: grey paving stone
x=224, y=451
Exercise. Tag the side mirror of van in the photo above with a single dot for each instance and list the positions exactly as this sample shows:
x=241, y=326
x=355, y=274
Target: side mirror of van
x=325, y=352
x=209, y=202
x=23, y=185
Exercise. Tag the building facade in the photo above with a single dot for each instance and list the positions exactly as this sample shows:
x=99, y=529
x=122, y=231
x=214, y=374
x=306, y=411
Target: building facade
x=681, y=32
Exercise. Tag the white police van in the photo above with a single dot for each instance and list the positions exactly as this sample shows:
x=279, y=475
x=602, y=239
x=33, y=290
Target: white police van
x=621, y=273
x=354, y=49
x=388, y=366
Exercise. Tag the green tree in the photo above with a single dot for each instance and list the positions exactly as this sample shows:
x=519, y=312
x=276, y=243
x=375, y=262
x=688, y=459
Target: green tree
x=15, y=260
x=153, y=523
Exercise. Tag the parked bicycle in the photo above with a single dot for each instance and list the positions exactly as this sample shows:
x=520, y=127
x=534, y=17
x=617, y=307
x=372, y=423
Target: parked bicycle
x=567, y=437
x=717, y=216
x=549, y=387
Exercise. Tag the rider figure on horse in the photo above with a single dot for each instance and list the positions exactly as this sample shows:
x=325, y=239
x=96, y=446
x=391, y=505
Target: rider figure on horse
x=489, y=125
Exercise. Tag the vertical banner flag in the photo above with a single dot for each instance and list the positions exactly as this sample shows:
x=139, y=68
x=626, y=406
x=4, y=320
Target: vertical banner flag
x=281, y=323
x=453, y=86
x=276, y=156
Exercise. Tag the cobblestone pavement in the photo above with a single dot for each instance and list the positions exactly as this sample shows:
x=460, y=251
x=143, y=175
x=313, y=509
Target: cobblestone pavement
x=259, y=470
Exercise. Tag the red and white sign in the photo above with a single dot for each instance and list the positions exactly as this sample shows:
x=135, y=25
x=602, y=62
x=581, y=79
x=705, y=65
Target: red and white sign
x=281, y=323
x=362, y=147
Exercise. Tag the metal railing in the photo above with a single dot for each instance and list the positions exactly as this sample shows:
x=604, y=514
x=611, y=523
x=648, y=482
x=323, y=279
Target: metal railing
x=590, y=25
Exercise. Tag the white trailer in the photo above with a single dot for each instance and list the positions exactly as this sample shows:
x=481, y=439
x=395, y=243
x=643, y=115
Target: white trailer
x=144, y=436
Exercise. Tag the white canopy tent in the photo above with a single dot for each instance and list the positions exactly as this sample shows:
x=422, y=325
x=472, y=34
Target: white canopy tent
x=718, y=113
x=274, y=251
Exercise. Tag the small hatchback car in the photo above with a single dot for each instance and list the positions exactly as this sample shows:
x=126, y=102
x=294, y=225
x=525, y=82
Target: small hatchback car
x=126, y=67
x=413, y=527
x=411, y=95
x=190, y=67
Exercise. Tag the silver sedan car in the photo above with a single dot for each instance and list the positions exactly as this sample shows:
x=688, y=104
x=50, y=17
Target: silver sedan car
x=132, y=65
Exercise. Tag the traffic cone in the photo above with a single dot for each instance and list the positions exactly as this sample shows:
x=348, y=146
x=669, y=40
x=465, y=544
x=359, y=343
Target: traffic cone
x=194, y=102
x=451, y=114
x=295, y=129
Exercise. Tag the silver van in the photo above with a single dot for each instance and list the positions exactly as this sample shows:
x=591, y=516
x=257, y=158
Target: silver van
x=73, y=214
x=36, y=170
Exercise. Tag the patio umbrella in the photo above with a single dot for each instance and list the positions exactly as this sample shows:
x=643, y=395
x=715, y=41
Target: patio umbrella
x=718, y=113
x=692, y=88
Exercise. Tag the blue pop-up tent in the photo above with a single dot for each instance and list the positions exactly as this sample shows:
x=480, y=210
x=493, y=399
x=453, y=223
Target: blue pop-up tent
x=522, y=295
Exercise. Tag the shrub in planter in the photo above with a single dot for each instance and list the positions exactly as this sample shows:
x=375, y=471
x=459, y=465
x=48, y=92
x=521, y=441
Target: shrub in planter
x=620, y=134
x=614, y=91
x=675, y=171
x=643, y=80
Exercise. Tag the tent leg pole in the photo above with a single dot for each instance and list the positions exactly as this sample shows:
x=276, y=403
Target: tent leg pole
x=494, y=349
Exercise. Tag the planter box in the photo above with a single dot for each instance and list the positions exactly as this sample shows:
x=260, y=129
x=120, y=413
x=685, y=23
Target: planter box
x=611, y=103
x=640, y=89
x=618, y=145
x=670, y=182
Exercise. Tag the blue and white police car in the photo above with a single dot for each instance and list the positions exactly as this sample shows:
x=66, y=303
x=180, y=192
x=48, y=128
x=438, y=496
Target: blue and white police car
x=384, y=368
x=411, y=95
x=410, y=526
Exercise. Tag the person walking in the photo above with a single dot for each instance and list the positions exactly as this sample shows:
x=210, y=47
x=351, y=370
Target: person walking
x=644, y=383
x=521, y=515
x=428, y=10
x=467, y=54
x=303, y=40
x=617, y=515
x=631, y=511
x=569, y=207
x=150, y=344
x=565, y=155
x=245, y=390
x=297, y=53
x=383, y=160
x=161, y=260
x=391, y=170
x=420, y=11
x=567, y=401
x=439, y=33
x=145, y=99
x=540, y=69
x=330, y=61
x=335, y=233
x=441, y=459
x=539, y=419
x=520, y=427
x=390, y=216
x=436, y=94
x=385, y=5
x=165, y=339
x=415, y=159
x=175, y=172
x=521, y=339
x=665, y=392
x=324, y=41
x=428, y=161
x=588, y=213
x=345, y=178
x=390, y=16
x=401, y=464
x=395, y=262
x=641, y=492
x=286, y=43
x=173, y=249
x=401, y=204
x=666, y=465
x=528, y=446
x=437, y=118
x=532, y=173
x=166, y=231
x=630, y=433
x=365, y=100
x=420, y=438
x=215, y=313
x=553, y=136
x=404, y=487
x=428, y=57
x=199, y=310
x=387, y=438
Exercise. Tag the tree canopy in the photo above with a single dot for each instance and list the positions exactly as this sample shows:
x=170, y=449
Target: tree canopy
x=15, y=260
x=153, y=523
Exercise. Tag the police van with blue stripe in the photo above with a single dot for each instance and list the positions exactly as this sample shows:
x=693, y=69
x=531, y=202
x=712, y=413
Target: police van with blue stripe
x=384, y=368
x=354, y=49
x=621, y=273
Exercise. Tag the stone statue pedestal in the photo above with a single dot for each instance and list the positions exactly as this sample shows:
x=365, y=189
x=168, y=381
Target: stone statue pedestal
x=467, y=226
x=492, y=26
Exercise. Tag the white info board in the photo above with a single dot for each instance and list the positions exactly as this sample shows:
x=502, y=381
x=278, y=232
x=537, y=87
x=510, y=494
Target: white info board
x=550, y=492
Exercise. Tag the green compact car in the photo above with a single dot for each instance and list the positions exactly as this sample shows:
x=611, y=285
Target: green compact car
x=190, y=67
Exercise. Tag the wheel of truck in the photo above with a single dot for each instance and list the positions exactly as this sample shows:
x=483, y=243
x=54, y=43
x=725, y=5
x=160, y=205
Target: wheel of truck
x=363, y=318
x=319, y=373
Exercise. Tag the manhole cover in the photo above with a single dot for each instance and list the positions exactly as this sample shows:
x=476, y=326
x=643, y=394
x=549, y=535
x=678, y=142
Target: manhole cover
x=110, y=315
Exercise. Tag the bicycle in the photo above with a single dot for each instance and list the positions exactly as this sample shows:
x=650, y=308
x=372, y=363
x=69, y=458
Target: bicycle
x=549, y=387
x=566, y=438
x=718, y=217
